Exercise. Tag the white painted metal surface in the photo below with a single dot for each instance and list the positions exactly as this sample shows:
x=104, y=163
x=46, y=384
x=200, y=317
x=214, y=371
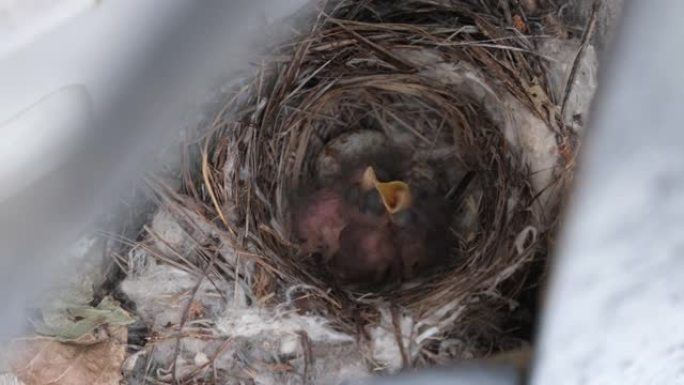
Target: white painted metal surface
x=23, y=21
x=615, y=311
x=148, y=67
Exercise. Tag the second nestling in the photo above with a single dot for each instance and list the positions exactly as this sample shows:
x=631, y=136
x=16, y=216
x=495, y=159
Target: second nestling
x=372, y=229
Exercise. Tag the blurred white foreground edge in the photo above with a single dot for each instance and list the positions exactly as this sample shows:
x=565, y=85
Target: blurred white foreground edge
x=615, y=311
x=87, y=92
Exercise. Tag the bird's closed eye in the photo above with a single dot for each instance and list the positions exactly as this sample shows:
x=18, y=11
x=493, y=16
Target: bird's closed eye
x=372, y=203
x=382, y=175
x=351, y=194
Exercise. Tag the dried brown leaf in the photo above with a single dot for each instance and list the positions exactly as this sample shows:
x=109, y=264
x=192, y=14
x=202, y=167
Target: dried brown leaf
x=43, y=360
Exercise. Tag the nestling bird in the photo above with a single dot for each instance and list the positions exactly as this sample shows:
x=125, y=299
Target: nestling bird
x=367, y=255
x=319, y=222
x=320, y=216
x=371, y=231
x=420, y=225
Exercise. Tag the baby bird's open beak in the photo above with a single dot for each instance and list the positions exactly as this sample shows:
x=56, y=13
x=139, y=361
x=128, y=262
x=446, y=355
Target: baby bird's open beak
x=395, y=195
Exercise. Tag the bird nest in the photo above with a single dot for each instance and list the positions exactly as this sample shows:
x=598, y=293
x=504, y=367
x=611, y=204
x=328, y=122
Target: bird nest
x=456, y=87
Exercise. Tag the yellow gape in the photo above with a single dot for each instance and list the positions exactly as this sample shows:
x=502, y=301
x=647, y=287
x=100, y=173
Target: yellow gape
x=395, y=195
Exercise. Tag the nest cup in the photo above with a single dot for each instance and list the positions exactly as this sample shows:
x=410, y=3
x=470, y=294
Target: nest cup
x=430, y=81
